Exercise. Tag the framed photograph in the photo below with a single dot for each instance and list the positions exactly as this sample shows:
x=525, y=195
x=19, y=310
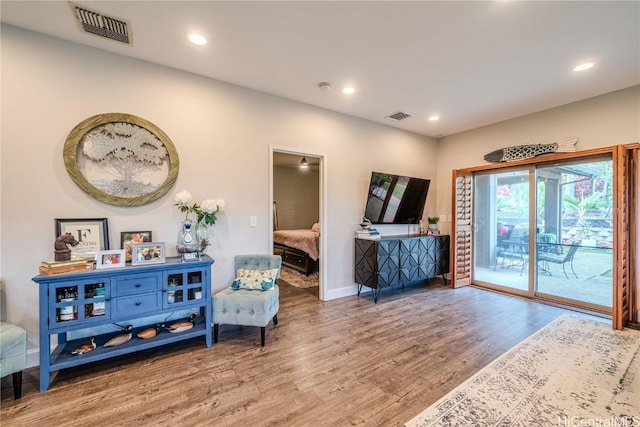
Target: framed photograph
x=147, y=253
x=128, y=238
x=121, y=159
x=110, y=259
x=92, y=235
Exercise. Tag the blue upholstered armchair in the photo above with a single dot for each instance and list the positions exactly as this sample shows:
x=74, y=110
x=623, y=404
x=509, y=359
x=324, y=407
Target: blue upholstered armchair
x=13, y=354
x=246, y=302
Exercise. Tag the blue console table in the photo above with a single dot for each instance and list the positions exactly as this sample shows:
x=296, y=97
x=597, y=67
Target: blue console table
x=88, y=299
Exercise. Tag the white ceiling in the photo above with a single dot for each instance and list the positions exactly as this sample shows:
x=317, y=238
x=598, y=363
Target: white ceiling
x=472, y=63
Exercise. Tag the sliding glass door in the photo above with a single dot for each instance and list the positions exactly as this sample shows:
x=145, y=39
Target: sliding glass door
x=574, y=245
x=546, y=231
x=501, y=229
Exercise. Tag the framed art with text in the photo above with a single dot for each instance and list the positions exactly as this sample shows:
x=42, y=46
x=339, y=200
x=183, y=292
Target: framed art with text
x=92, y=235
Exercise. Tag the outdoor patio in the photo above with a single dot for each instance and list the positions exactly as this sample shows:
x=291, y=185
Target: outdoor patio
x=594, y=283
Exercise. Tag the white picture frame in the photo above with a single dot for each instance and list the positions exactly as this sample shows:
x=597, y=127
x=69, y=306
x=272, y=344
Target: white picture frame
x=110, y=259
x=148, y=253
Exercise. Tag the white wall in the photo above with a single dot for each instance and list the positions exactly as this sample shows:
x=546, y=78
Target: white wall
x=297, y=195
x=602, y=121
x=222, y=134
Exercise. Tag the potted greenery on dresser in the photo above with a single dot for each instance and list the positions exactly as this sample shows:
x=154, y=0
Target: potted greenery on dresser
x=433, y=225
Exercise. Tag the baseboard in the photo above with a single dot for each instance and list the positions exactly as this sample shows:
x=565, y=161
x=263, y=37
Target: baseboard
x=345, y=291
x=33, y=357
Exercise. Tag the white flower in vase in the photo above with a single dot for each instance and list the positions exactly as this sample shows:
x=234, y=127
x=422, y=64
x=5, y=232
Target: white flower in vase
x=205, y=213
x=209, y=206
x=183, y=198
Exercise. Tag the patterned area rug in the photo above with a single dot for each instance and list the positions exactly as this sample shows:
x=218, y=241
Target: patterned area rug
x=297, y=279
x=572, y=372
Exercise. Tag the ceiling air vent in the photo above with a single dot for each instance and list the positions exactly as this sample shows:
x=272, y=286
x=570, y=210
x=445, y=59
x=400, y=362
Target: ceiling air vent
x=396, y=117
x=97, y=23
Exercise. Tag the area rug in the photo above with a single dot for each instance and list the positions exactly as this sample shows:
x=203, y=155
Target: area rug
x=297, y=279
x=572, y=372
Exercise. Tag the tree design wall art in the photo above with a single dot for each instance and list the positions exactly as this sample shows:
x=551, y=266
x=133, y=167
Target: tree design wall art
x=121, y=159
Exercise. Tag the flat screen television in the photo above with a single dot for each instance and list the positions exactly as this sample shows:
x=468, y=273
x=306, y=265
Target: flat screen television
x=396, y=199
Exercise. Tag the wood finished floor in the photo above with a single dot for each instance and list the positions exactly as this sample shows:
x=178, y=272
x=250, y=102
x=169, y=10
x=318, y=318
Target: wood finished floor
x=339, y=363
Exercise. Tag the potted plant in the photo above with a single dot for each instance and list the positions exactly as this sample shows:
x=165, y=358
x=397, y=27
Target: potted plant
x=433, y=225
x=433, y=221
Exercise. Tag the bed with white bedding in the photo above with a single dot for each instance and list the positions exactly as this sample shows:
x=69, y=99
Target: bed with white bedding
x=299, y=249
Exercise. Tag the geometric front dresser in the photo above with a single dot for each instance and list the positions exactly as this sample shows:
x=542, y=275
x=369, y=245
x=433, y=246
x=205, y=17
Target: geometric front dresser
x=396, y=260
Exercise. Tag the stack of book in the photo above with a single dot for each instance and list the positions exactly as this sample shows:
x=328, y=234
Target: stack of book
x=58, y=267
x=368, y=233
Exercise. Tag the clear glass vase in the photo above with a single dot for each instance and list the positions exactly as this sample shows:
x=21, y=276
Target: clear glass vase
x=202, y=237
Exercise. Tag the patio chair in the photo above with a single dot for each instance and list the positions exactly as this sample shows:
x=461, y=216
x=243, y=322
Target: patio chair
x=564, y=259
x=514, y=250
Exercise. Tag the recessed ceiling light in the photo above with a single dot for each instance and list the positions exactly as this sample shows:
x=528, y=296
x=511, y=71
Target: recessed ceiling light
x=584, y=66
x=348, y=89
x=197, y=39
x=434, y=118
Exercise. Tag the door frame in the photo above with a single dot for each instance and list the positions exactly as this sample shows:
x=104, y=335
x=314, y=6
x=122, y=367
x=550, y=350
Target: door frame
x=322, y=215
x=623, y=309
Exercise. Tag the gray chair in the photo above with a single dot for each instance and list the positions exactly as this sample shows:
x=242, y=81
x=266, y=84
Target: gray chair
x=248, y=307
x=514, y=250
x=13, y=354
x=562, y=258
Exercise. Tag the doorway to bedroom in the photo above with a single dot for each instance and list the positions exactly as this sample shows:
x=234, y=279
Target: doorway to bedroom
x=296, y=202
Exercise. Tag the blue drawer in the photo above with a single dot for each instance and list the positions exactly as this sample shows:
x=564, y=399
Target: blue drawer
x=137, y=284
x=137, y=304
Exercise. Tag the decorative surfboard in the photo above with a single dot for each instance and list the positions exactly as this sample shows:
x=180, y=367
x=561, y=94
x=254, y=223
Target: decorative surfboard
x=520, y=152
